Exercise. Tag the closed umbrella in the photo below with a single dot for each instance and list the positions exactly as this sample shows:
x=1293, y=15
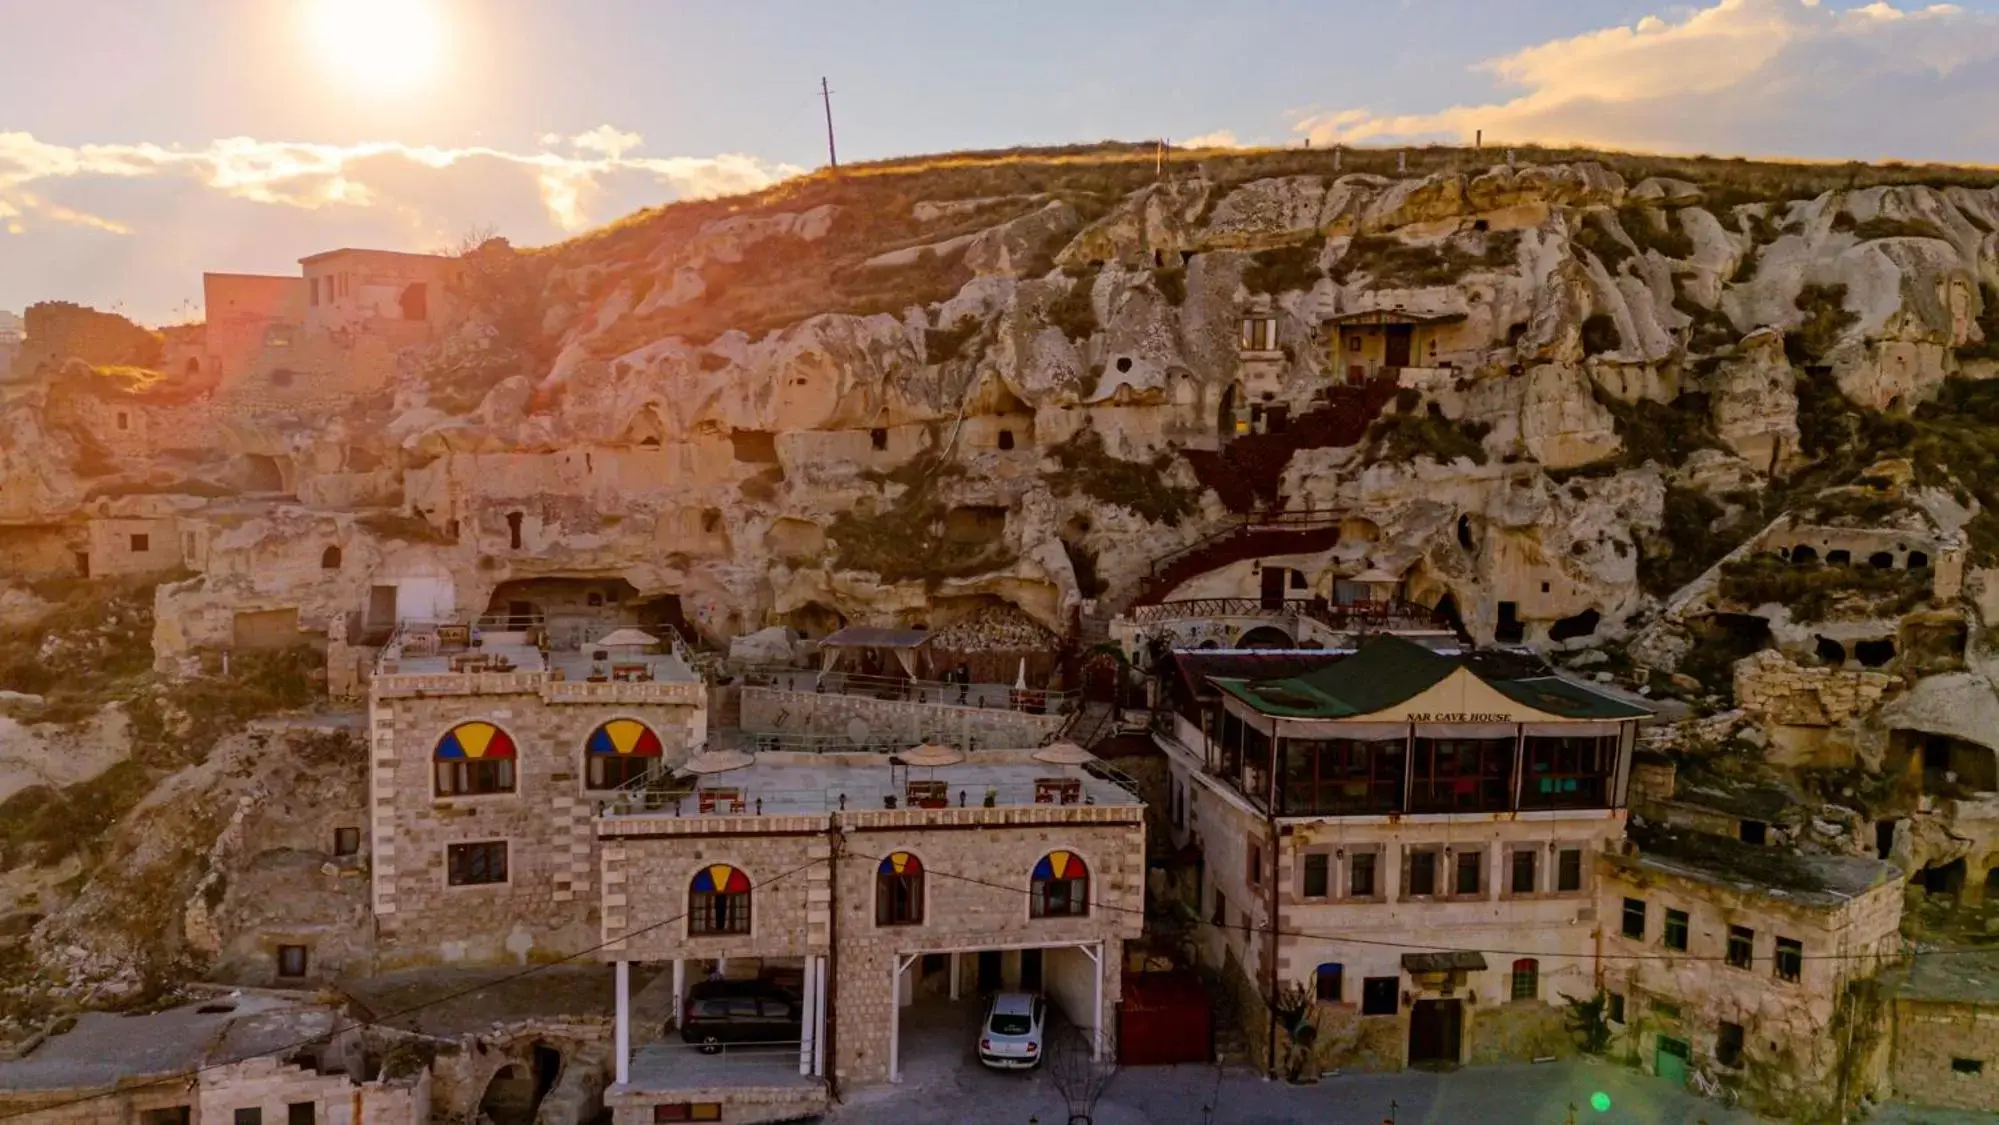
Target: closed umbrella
x=1064, y=754
x=931, y=754
x=718, y=761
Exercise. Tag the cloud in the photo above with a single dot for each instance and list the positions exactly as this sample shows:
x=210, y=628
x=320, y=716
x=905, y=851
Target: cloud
x=1220, y=138
x=311, y=176
x=134, y=225
x=1781, y=77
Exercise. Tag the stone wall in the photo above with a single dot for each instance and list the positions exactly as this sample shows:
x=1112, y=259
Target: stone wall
x=548, y=906
x=143, y=545
x=745, y=1105
x=1772, y=687
x=1929, y=1035
x=803, y=712
x=58, y=330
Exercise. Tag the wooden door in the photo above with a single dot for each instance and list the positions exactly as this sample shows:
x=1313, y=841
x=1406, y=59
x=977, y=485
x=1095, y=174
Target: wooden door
x=1399, y=339
x=1273, y=587
x=1434, y=1027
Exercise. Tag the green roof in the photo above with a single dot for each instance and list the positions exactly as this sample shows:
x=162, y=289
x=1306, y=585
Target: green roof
x=1388, y=670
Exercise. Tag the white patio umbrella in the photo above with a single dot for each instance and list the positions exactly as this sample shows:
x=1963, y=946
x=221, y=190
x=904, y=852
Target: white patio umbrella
x=1063, y=754
x=1020, y=681
x=932, y=754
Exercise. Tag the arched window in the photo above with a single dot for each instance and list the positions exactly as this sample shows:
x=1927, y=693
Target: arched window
x=474, y=758
x=1329, y=983
x=718, y=901
x=620, y=752
x=329, y=559
x=899, y=890
x=1060, y=887
x=1526, y=979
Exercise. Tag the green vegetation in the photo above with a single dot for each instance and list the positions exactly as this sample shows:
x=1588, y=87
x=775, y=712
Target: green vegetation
x=1589, y=1022
x=906, y=536
x=1141, y=487
x=1812, y=591
x=1596, y=236
x=1857, y=506
x=1988, y=327
x=1708, y=330
x=941, y=345
x=1283, y=269
x=1695, y=538
x=1881, y=226
x=1074, y=312
x=1391, y=263
x=1659, y=431
x=401, y=527
x=1406, y=437
x=1826, y=319
x=1171, y=281
x=1600, y=334
x=1653, y=229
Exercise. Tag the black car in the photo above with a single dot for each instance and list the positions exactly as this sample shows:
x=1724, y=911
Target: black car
x=749, y=1011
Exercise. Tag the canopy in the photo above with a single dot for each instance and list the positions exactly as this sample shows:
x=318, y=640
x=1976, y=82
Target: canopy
x=1064, y=754
x=931, y=754
x=903, y=642
x=718, y=761
x=1375, y=575
x=625, y=638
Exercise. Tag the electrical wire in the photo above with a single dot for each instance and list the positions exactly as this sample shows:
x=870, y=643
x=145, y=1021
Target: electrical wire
x=379, y=1021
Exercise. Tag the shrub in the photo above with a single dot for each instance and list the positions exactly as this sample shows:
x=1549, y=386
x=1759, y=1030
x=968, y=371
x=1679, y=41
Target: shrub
x=1596, y=236
x=1140, y=487
x=1391, y=263
x=1881, y=226
x=1655, y=230
x=1171, y=281
x=1812, y=592
x=1074, y=312
x=1988, y=327
x=1826, y=319
x=1283, y=269
x=1406, y=437
x=904, y=539
x=941, y=345
x=1693, y=541
x=1658, y=431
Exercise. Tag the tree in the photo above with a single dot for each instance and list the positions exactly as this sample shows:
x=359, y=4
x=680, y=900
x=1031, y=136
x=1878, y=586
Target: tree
x=1293, y=1005
x=1589, y=1021
x=1080, y=1078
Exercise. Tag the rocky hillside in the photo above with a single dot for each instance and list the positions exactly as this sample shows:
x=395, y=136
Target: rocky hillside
x=998, y=388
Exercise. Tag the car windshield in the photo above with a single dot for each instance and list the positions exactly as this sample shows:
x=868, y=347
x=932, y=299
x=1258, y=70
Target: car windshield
x=1011, y=1023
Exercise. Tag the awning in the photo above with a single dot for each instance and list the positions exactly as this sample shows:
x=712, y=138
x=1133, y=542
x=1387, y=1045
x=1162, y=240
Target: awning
x=1493, y=731
x=1379, y=317
x=1456, y=960
x=1321, y=729
x=1571, y=730
x=868, y=636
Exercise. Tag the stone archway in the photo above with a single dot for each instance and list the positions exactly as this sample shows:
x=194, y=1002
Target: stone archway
x=511, y=1097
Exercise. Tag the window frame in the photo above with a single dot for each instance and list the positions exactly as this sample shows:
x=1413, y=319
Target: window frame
x=1613, y=1009
x=734, y=909
x=1529, y=976
x=1254, y=863
x=1563, y=857
x=1644, y=918
x=1740, y=952
x=911, y=897
x=292, y=1116
x=1410, y=862
x=343, y=833
x=1075, y=895
x=247, y=1115
x=1791, y=951
x=1515, y=854
x=1685, y=928
x=1323, y=860
x=1459, y=867
x=284, y=957
x=141, y=543
x=492, y=777
x=1378, y=890
x=1371, y=990
x=1725, y=1034
x=460, y=864
x=1338, y=976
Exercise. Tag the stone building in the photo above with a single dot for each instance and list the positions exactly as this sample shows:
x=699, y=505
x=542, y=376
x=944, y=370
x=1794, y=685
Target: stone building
x=1346, y=815
x=1944, y=1050
x=251, y=319
x=1747, y=963
x=897, y=889
x=489, y=753
x=350, y=290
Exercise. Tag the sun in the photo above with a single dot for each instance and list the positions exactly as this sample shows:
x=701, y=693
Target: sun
x=379, y=46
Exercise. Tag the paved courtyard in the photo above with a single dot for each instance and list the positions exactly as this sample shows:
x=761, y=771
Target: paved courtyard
x=943, y=1084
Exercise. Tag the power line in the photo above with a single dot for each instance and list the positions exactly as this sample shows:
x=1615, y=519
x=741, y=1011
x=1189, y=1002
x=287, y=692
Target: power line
x=826, y=95
x=1265, y=930
x=380, y=1021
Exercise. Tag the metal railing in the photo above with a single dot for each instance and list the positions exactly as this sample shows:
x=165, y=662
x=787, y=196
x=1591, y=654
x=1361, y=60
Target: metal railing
x=1394, y=613
x=1038, y=701
x=758, y=801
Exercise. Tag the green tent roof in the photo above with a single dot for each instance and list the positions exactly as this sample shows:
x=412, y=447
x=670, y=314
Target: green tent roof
x=1387, y=670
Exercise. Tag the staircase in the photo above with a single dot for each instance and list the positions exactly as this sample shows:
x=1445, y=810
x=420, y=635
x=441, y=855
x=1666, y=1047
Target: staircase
x=1294, y=533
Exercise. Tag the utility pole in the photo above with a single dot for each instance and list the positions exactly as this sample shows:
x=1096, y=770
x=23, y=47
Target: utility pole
x=826, y=95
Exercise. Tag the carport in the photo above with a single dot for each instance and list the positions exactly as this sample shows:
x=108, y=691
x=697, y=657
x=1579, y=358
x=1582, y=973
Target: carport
x=1069, y=974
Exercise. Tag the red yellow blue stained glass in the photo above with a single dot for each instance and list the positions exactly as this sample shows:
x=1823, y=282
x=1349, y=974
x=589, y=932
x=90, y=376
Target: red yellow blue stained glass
x=900, y=863
x=720, y=879
x=626, y=738
x=1061, y=865
x=475, y=740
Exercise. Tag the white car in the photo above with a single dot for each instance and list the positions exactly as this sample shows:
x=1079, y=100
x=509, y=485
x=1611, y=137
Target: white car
x=1010, y=1037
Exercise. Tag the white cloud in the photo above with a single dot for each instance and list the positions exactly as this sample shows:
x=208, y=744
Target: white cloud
x=313, y=176
x=1220, y=138
x=1784, y=77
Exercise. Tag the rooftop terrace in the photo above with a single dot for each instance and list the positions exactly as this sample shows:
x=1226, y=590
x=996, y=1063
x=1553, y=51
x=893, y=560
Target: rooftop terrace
x=1815, y=880
x=795, y=784
x=519, y=655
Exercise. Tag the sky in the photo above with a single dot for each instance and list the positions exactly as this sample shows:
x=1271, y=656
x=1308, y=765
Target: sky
x=143, y=142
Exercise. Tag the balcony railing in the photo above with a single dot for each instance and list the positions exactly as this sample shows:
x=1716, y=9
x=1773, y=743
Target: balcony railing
x=1033, y=701
x=1357, y=616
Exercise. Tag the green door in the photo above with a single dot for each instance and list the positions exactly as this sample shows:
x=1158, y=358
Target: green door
x=1671, y=1060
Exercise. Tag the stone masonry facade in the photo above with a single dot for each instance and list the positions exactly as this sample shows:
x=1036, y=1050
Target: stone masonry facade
x=547, y=907
x=803, y=712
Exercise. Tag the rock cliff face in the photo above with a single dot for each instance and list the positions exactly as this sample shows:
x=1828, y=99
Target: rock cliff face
x=1553, y=399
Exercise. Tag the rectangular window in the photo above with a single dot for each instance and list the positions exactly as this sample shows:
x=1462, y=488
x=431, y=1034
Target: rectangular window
x=1967, y=1066
x=1665, y=1010
x=1614, y=1010
x=615, y=771
x=1360, y=875
x=474, y=777
x=291, y=960
x=1526, y=979
x=472, y=865
x=167, y=1115
x=1327, y=983
x=250, y=1115
x=899, y=899
x=1470, y=880
x=1676, y=930
x=346, y=841
x=1741, y=946
x=1523, y=870
x=1462, y=775
x=141, y=544
x=1317, y=865
x=686, y=1111
x=1423, y=871
x=1341, y=775
x=1634, y=919
x=1790, y=958
x=1255, y=865
x=1569, y=870
x=1380, y=996
x=300, y=1113
x=1221, y=915
x=1728, y=1045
